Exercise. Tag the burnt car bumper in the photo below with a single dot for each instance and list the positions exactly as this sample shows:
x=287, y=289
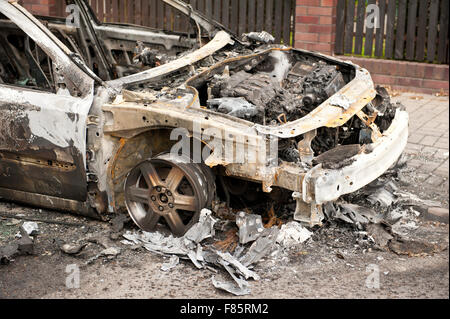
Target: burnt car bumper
x=324, y=185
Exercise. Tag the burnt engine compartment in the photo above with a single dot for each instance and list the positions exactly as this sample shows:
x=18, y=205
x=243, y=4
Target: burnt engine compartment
x=275, y=91
x=275, y=87
x=287, y=85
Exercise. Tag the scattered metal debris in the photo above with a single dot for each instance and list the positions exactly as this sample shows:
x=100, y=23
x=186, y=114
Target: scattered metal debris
x=231, y=288
x=190, y=247
x=353, y=213
x=203, y=229
x=158, y=243
x=386, y=214
x=173, y=261
x=292, y=233
x=382, y=196
x=22, y=246
x=250, y=227
x=261, y=247
x=240, y=268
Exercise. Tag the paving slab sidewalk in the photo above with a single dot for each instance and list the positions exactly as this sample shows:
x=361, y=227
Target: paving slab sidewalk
x=428, y=142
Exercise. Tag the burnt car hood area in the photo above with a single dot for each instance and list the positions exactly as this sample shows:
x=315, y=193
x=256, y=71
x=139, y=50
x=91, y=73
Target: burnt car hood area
x=205, y=147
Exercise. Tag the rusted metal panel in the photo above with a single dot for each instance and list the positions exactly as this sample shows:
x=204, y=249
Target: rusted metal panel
x=50, y=202
x=219, y=41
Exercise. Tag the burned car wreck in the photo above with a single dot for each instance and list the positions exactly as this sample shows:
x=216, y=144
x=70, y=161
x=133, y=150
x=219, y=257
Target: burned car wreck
x=88, y=115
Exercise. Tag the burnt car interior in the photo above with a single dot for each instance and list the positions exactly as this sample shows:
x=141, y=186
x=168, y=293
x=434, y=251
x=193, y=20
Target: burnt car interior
x=126, y=52
x=22, y=62
x=127, y=49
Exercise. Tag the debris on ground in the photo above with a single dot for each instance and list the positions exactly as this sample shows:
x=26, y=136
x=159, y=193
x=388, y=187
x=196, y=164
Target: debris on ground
x=110, y=253
x=292, y=233
x=119, y=221
x=72, y=249
x=250, y=226
x=203, y=229
x=31, y=228
x=386, y=213
x=197, y=245
x=22, y=246
x=241, y=290
x=173, y=261
x=263, y=246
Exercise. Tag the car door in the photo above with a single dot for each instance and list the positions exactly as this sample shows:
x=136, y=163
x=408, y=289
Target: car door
x=44, y=103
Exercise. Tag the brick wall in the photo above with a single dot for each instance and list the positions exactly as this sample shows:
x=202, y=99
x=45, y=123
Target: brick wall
x=315, y=30
x=40, y=7
x=315, y=25
x=405, y=75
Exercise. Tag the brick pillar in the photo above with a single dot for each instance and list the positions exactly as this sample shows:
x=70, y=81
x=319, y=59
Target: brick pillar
x=315, y=25
x=41, y=7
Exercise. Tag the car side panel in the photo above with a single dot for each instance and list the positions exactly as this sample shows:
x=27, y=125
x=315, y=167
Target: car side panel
x=42, y=143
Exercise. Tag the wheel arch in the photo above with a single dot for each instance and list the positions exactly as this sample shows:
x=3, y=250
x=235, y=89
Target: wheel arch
x=131, y=151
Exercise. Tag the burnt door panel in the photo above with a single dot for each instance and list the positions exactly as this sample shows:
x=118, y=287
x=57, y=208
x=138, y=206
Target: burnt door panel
x=43, y=142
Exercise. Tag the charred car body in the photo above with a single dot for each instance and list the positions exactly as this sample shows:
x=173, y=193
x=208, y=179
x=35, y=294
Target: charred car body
x=87, y=114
